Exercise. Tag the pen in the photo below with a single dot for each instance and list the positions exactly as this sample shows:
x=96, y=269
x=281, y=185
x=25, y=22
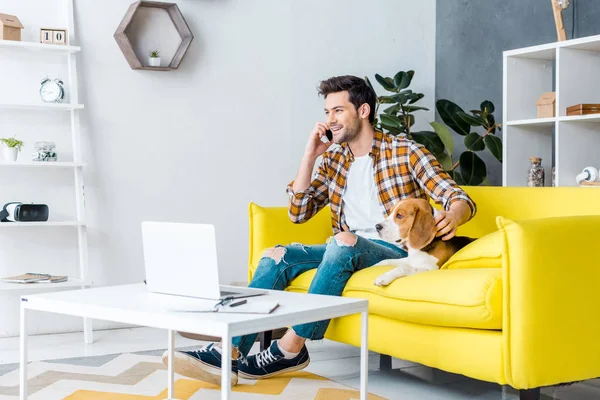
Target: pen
x=239, y=303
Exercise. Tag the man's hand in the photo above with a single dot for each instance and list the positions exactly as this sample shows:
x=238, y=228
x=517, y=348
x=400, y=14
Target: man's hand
x=446, y=223
x=315, y=147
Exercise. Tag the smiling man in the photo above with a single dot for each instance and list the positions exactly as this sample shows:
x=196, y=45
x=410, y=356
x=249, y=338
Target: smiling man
x=361, y=180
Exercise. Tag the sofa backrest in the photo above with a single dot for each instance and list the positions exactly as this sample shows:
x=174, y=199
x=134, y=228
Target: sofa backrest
x=270, y=226
x=521, y=203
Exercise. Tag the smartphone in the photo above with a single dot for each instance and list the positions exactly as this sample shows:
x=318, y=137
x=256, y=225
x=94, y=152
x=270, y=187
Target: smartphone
x=329, y=134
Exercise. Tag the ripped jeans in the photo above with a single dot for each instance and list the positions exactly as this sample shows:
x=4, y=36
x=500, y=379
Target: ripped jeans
x=335, y=262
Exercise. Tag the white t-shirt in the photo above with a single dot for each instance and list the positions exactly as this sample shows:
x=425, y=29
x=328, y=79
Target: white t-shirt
x=361, y=199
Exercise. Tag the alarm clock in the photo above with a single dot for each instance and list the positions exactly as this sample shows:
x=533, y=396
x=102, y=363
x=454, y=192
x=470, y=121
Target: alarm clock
x=52, y=91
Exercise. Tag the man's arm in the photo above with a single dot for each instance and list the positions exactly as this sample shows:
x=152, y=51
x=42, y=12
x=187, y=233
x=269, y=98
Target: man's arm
x=459, y=208
x=308, y=196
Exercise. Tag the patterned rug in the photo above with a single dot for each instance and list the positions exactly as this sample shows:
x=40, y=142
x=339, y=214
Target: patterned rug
x=142, y=376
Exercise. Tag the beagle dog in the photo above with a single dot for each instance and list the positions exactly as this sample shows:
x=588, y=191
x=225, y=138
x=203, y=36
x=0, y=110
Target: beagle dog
x=412, y=222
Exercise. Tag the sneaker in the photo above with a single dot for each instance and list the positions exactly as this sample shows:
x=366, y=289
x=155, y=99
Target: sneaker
x=203, y=364
x=271, y=362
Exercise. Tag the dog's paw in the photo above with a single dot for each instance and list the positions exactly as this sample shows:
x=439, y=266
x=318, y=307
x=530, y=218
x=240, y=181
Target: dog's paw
x=381, y=282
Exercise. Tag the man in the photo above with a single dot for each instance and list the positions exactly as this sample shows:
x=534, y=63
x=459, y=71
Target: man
x=361, y=179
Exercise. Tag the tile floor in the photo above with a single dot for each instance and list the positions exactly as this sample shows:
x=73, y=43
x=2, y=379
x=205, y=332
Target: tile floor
x=335, y=361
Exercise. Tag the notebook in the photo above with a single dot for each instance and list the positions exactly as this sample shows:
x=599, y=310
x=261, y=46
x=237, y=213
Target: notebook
x=252, y=306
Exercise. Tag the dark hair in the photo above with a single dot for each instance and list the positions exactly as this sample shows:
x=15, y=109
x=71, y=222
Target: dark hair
x=357, y=88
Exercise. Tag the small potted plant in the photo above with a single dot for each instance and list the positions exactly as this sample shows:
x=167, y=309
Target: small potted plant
x=13, y=146
x=154, y=59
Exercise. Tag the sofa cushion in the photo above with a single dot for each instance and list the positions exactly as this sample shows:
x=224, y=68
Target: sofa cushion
x=485, y=252
x=464, y=298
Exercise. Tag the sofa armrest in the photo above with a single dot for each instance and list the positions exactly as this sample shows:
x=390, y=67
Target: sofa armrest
x=551, y=277
x=270, y=226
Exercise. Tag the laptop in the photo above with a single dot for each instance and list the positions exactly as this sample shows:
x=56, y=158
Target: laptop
x=181, y=259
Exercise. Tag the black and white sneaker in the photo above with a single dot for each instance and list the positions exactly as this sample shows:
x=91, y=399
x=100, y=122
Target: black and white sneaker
x=271, y=362
x=203, y=364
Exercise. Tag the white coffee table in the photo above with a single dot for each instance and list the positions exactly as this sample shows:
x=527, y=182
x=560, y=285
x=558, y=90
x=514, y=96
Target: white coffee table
x=133, y=304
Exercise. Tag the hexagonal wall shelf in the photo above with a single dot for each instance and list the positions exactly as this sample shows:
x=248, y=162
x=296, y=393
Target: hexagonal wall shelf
x=144, y=25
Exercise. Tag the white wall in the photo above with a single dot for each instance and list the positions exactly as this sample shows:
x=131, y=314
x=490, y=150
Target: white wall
x=199, y=143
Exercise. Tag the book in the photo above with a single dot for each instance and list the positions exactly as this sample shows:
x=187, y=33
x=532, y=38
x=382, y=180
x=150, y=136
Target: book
x=30, y=277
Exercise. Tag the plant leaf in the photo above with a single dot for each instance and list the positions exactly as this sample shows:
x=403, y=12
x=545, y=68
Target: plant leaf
x=392, y=109
x=476, y=112
x=472, y=168
x=411, y=120
x=457, y=177
x=402, y=80
x=400, y=98
x=445, y=160
x=444, y=134
x=447, y=111
x=430, y=140
x=390, y=120
x=495, y=145
x=415, y=108
x=474, y=141
x=386, y=100
x=393, y=130
x=473, y=120
x=488, y=105
x=414, y=97
x=369, y=83
x=387, y=85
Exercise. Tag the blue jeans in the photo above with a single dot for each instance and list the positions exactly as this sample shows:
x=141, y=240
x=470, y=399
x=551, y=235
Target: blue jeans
x=335, y=262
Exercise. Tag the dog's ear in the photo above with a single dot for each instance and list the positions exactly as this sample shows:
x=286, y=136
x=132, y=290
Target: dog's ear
x=422, y=231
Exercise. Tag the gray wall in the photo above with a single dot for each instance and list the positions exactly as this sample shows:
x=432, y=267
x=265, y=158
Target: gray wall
x=471, y=36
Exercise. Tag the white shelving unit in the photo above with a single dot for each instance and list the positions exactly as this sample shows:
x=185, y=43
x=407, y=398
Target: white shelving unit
x=571, y=69
x=79, y=279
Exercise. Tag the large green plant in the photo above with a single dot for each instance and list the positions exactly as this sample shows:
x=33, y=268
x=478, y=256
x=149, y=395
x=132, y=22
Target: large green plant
x=398, y=118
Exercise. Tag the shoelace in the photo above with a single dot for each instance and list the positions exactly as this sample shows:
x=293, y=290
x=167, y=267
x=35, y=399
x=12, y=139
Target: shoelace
x=264, y=358
x=205, y=349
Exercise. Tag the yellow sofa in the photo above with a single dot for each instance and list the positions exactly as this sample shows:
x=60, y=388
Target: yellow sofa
x=522, y=310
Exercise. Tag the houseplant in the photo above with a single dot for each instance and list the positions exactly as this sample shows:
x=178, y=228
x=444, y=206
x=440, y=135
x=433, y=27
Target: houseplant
x=154, y=59
x=13, y=146
x=399, y=117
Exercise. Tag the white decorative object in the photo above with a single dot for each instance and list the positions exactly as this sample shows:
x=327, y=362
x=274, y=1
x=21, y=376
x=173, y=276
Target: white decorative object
x=10, y=154
x=52, y=91
x=154, y=59
x=569, y=143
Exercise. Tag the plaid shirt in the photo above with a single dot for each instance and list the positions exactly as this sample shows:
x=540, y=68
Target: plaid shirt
x=402, y=169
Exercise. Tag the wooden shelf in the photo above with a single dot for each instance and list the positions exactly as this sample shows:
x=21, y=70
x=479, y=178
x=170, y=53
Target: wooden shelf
x=41, y=47
x=581, y=118
x=43, y=164
x=41, y=106
x=72, y=282
x=124, y=39
x=155, y=68
x=9, y=225
x=533, y=121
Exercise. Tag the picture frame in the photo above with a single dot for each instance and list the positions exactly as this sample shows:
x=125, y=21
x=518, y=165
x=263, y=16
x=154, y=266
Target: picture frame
x=54, y=36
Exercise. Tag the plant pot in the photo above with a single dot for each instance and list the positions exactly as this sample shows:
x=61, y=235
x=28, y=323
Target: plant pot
x=154, y=61
x=10, y=154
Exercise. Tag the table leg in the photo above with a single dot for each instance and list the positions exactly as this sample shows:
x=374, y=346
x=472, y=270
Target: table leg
x=23, y=355
x=364, y=355
x=226, y=366
x=171, y=386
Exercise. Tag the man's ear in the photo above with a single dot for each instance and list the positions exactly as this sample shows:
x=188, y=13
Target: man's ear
x=364, y=110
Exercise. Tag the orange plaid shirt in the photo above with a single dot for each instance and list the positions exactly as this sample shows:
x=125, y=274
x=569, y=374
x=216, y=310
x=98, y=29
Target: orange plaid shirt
x=402, y=169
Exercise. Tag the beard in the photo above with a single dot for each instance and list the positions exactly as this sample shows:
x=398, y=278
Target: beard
x=351, y=131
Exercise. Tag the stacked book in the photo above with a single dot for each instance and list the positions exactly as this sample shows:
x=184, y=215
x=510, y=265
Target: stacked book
x=32, y=277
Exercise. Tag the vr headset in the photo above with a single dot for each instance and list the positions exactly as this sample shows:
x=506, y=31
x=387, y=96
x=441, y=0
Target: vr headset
x=19, y=212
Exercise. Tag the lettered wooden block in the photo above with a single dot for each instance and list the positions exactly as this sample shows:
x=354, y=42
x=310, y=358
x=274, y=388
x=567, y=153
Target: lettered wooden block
x=46, y=36
x=59, y=37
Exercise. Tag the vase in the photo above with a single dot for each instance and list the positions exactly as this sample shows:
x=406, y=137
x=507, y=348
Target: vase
x=154, y=61
x=535, y=176
x=10, y=154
